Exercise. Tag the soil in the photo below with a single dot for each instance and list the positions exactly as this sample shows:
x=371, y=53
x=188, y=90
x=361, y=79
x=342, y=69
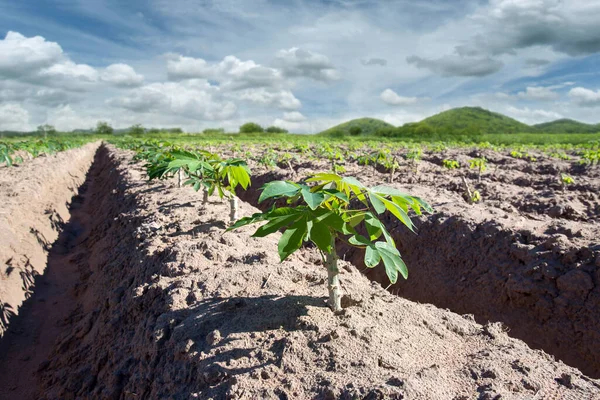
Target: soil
x=35, y=199
x=511, y=258
x=164, y=304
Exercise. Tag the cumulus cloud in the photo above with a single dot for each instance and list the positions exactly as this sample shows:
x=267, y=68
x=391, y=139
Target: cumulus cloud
x=293, y=116
x=189, y=68
x=382, y=62
x=538, y=93
x=585, y=97
x=195, y=99
x=283, y=99
x=532, y=116
x=121, y=75
x=70, y=70
x=392, y=98
x=64, y=118
x=21, y=56
x=458, y=65
x=296, y=62
x=13, y=117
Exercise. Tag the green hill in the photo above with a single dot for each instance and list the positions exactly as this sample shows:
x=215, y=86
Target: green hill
x=566, y=126
x=469, y=120
x=367, y=126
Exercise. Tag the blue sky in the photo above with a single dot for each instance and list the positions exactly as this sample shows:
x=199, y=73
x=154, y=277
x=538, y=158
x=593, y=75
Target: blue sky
x=303, y=65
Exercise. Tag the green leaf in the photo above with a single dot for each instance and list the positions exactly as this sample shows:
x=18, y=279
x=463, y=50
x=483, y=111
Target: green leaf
x=359, y=240
x=392, y=261
x=337, y=194
x=324, y=176
x=275, y=224
x=292, y=239
x=313, y=200
x=278, y=189
x=238, y=175
x=372, y=257
x=399, y=213
x=257, y=217
x=321, y=236
x=377, y=202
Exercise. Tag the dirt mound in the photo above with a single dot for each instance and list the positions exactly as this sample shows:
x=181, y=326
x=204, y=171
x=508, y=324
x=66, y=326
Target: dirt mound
x=35, y=197
x=173, y=307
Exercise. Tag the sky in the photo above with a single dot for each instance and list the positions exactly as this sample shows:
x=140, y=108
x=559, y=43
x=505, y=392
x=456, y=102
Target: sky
x=304, y=65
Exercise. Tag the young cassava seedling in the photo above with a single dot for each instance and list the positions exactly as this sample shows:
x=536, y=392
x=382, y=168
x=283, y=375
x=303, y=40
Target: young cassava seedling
x=325, y=214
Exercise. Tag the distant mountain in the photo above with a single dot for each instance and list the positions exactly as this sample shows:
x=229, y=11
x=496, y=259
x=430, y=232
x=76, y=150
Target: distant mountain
x=367, y=126
x=474, y=120
x=567, y=126
x=466, y=121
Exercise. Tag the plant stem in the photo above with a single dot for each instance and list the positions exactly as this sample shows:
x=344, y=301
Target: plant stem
x=179, y=173
x=333, y=279
x=204, y=195
x=233, y=203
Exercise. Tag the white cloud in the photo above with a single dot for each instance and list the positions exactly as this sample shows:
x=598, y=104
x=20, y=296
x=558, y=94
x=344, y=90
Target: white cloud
x=189, y=68
x=21, y=56
x=195, y=99
x=532, y=116
x=297, y=62
x=283, y=99
x=585, y=97
x=122, y=75
x=392, y=98
x=70, y=70
x=293, y=116
x=538, y=93
x=13, y=117
x=65, y=119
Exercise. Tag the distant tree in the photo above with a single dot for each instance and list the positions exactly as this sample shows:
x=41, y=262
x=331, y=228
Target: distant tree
x=137, y=129
x=154, y=131
x=46, y=130
x=175, y=130
x=103, y=128
x=275, y=129
x=251, y=127
x=337, y=133
x=355, y=130
x=212, y=131
x=424, y=130
x=386, y=132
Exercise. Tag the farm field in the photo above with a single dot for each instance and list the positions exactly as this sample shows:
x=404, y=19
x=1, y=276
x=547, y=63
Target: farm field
x=145, y=294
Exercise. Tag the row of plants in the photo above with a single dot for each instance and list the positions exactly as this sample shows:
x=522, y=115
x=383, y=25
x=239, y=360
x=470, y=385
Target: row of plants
x=325, y=209
x=14, y=152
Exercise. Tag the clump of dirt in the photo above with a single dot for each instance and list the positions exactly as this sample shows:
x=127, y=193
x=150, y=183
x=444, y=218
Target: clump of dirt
x=35, y=197
x=173, y=307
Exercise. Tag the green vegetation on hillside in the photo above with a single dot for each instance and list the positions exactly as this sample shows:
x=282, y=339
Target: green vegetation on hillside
x=566, y=126
x=358, y=127
x=465, y=124
x=473, y=120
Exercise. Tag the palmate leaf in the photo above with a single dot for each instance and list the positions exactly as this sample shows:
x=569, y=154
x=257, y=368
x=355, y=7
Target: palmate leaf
x=313, y=200
x=277, y=189
x=392, y=261
x=292, y=239
x=320, y=235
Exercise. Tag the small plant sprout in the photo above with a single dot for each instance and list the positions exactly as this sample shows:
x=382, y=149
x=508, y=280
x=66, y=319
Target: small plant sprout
x=414, y=155
x=480, y=164
x=566, y=180
x=472, y=196
x=325, y=214
x=450, y=164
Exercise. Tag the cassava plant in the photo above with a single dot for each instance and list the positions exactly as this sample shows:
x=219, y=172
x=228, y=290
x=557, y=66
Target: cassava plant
x=336, y=209
x=480, y=164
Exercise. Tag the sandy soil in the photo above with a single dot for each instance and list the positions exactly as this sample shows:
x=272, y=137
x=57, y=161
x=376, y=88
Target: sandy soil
x=35, y=197
x=528, y=255
x=169, y=306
